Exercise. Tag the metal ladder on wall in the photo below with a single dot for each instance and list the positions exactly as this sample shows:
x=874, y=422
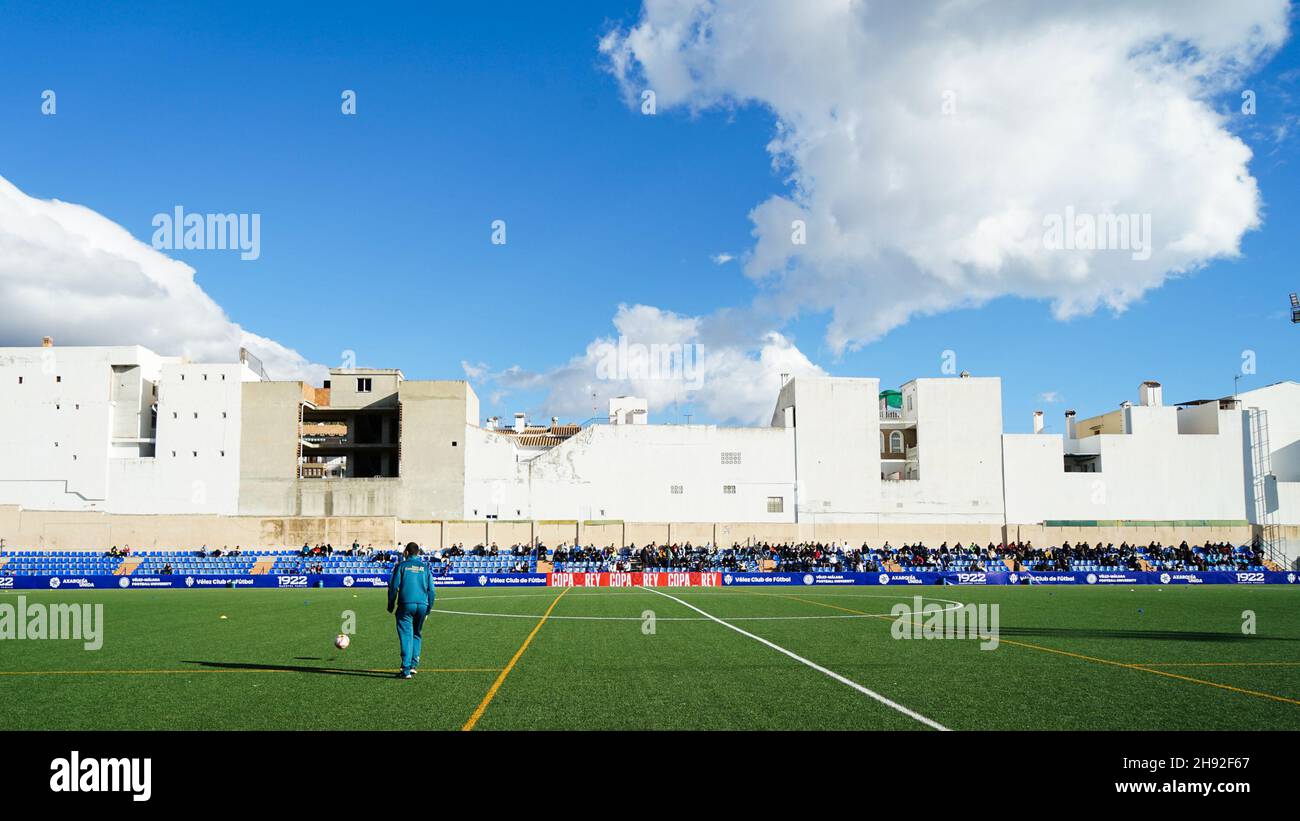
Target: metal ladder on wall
x=1262, y=468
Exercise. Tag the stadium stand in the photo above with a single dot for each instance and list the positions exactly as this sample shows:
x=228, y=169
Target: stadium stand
x=489, y=559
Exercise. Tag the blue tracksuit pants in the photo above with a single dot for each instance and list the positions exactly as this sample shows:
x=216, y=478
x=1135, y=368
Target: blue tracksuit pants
x=410, y=626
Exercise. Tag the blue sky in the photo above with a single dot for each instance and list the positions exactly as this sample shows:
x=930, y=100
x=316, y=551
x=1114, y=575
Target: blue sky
x=375, y=228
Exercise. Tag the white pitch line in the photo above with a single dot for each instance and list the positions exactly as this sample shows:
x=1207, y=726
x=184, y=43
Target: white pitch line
x=841, y=679
x=639, y=618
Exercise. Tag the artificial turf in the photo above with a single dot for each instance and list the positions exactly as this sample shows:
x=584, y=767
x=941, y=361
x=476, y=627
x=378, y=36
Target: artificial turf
x=1143, y=657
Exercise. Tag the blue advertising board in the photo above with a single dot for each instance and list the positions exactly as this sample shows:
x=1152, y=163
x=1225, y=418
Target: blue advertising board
x=291, y=581
x=907, y=578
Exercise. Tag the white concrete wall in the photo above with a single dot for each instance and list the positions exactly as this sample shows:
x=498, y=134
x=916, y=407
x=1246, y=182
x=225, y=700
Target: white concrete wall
x=627, y=472
x=196, y=458
x=959, y=441
x=1153, y=473
x=1282, y=402
x=100, y=420
x=56, y=423
x=836, y=427
x=495, y=484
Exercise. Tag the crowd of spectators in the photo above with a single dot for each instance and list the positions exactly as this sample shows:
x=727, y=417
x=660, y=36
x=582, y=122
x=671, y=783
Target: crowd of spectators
x=800, y=557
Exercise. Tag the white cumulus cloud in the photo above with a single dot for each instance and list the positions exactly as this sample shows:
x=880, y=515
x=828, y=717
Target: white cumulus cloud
x=710, y=365
x=73, y=274
x=925, y=144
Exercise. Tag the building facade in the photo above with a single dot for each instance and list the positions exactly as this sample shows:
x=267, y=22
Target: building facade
x=121, y=430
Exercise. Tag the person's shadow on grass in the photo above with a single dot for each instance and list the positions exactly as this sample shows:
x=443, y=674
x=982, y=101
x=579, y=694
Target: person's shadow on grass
x=290, y=668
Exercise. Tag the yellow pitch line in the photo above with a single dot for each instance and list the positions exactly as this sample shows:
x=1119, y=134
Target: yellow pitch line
x=1218, y=664
x=233, y=670
x=496, y=685
x=1139, y=667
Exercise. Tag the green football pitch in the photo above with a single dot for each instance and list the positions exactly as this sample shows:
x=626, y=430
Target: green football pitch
x=696, y=658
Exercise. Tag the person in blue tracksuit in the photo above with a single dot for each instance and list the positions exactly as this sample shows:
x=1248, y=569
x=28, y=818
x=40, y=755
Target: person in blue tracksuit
x=410, y=591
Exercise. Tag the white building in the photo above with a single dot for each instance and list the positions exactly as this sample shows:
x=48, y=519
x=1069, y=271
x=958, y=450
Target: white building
x=118, y=429
x=123, y=430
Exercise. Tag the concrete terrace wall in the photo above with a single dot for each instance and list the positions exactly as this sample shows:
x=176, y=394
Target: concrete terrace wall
x=28, y=529
x=23, y=529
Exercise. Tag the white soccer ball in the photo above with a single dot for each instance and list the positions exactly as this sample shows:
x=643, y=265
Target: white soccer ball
x=342, y=641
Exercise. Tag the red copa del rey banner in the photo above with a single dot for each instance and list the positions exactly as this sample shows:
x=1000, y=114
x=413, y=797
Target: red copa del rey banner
x=681, y=579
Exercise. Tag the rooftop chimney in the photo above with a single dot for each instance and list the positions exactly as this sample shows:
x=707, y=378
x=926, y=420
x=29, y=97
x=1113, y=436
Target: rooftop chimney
x=493, y=422
x=47, y=342
x=1149, y=394
x=521, y=422
x=1069, y=424
x=1038, y=421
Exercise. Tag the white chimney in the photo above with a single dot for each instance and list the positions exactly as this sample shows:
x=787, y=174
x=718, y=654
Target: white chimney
x=555, y=420
x=521, y=422
x=1038, y=421
x=1149, y=394
x=493, y=422
x=1069, y=425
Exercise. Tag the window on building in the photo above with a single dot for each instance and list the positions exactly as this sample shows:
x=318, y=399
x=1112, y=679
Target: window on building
x=363, y=384
x=676, y=490
x=20, y=380
x=882, y=441
x=58, y=379
x=775, y=504
x=730, y=457
x=896, y=442
x=728, y=490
